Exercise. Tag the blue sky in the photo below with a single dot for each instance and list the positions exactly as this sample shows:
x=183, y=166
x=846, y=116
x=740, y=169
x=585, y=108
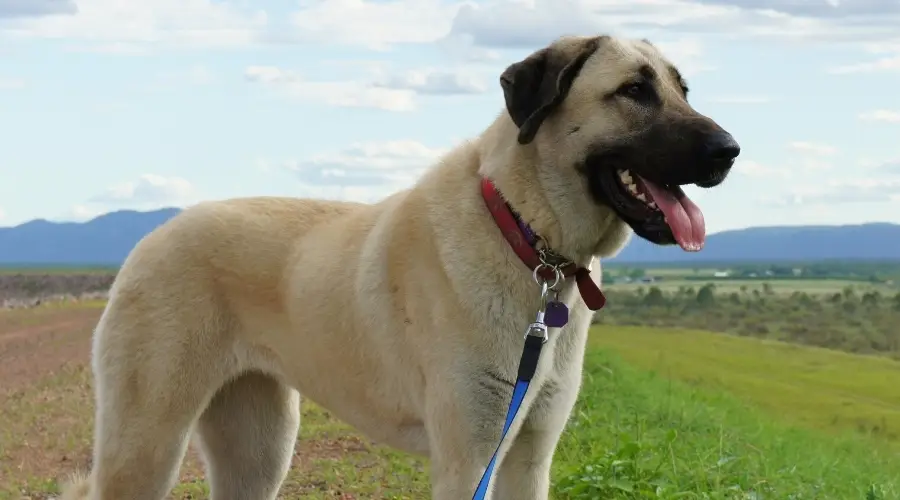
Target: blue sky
x=110, y=104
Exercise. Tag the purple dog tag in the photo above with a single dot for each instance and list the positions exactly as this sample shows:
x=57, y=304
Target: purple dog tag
x=556, y=315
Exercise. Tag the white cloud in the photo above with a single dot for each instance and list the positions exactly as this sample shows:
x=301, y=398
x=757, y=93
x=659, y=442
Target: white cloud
x=883, y=64
x=375, y=25
x=2, y=213
x=364, y=171
x=465, y=28
x=529, y=23
x=148, y=191
x=883, y=47
x=686, y=53
x=889, y=60
x=867, y=190
x=11, y=83
x=463, y=48
x=385, y=90
x=826, y=9
x=752, y=168
x=881, y=115
x=83, y=213
x=433, y=81
x=353, y=94
x=157, y=23
x=890, y=167
x=814, y=148
x=791, y=168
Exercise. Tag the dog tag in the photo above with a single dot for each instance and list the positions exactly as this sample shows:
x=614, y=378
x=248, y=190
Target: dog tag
x=557, y=314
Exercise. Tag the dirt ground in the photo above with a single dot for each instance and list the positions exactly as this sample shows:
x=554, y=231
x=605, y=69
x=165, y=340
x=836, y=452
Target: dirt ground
x=47, y=410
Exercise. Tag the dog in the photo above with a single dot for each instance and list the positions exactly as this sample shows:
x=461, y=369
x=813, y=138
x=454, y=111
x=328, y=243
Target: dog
x=405, y=317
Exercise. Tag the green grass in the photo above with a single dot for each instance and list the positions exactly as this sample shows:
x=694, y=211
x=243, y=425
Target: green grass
x=783, y=286
x=337, y=461
x=671, y=433
x=40, y=269
x=663, y=414
x=813, y=387
x=638, y=434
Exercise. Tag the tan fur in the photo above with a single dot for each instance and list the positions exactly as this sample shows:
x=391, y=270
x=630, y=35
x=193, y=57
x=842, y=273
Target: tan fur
x=388, y=315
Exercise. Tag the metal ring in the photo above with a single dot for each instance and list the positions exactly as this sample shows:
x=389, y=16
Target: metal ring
x=540, y=279
x=558, y=277
x=534, y=273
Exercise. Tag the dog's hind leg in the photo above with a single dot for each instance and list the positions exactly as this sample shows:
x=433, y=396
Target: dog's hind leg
x=247, y=434
x=155, y=367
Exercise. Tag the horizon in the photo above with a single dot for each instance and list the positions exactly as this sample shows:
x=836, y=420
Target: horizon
x=168, y=208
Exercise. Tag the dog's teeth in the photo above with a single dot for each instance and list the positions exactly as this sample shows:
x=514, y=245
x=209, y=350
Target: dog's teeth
x=652, y=204
x=641, y=197
x=632, y=188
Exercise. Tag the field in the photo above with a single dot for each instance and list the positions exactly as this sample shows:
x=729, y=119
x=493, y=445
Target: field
x=781, y=287
x=785, y=278
x=664, y=413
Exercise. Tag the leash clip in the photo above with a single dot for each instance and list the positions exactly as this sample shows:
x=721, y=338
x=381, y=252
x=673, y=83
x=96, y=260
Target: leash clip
x=539, y=328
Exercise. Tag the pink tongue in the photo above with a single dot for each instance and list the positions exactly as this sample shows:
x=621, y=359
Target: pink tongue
x=683, y=216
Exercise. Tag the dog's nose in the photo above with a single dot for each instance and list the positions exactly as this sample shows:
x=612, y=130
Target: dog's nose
x=721, y=147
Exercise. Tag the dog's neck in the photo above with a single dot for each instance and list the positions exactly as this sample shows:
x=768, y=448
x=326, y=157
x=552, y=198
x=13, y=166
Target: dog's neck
x=556, y=209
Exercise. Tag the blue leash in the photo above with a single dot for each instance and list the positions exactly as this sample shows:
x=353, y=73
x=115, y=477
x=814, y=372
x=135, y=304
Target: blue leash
x=534, y=342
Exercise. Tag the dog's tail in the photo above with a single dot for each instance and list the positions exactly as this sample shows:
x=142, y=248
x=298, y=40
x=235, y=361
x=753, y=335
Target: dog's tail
x=78, y=487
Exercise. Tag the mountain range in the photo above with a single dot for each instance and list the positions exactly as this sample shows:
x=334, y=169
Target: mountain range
x=107, y=239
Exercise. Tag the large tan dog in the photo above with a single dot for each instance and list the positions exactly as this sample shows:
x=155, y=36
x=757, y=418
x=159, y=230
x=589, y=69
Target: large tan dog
x=404, y=318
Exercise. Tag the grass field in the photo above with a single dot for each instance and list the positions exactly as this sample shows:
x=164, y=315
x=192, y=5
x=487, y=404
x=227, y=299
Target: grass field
x=817, y=388
x=663, y=414
x=778, y=286
x=781, y=278
x=57, y=270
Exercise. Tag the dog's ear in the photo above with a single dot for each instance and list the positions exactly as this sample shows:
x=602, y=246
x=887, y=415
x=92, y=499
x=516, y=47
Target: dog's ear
x=535, y=86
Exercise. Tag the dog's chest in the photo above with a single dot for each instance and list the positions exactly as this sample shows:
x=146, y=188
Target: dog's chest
x=562, y=355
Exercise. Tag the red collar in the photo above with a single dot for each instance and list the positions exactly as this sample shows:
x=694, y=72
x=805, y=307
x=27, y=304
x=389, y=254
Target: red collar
x=522, y=241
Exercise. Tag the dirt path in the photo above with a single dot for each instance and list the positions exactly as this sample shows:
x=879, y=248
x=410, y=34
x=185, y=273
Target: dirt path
x=36, y=343
x=47, y=412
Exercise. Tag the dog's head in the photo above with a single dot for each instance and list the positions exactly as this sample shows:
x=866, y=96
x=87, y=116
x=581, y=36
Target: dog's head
x=615, y=114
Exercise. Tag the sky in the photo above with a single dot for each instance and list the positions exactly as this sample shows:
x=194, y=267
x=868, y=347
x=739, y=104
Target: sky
x=137, y=104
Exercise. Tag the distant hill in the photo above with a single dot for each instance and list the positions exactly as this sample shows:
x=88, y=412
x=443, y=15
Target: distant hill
x=107, y=239
x=104, y=240
x=873, y=241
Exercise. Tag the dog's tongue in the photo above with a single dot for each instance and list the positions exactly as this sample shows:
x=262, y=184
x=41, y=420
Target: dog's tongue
x=683, y=216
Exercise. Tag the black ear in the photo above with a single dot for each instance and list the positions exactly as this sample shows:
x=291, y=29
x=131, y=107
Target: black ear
x=535, y=86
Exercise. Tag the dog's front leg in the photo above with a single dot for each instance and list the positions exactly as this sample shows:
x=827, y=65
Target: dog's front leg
x=464, y=421
x=524, y=473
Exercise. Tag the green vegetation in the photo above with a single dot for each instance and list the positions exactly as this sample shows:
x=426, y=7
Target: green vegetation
x=662, y=415
x=872, y=271
x=639, y=435
x=817, y=388
x=668, y=409
x=56, y=269
x=855, y=318
x=812, y=277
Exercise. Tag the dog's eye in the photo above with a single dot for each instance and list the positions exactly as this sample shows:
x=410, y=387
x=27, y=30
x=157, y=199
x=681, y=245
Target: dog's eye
x=633, y=90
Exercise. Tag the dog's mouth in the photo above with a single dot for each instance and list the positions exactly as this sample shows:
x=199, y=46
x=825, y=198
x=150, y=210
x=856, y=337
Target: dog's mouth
x=661, y=213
